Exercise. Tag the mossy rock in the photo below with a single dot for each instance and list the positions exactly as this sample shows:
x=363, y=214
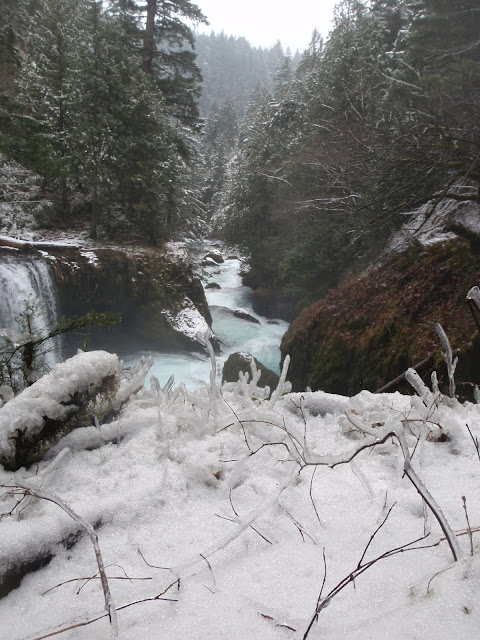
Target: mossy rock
x=240, y=362
x=373, y=327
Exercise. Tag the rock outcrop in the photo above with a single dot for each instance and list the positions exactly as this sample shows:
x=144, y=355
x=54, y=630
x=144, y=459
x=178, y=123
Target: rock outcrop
x=161, y=301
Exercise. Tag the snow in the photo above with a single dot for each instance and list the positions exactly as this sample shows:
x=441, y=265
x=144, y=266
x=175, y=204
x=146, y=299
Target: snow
x=209, y=492
x=91, y=257
x=188, y=321
x=431, y=225
x=50, y=396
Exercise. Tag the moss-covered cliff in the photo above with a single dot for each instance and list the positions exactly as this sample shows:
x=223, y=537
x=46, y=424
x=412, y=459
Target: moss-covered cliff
x=148, y=287
x=161, y=301
x=369, y=330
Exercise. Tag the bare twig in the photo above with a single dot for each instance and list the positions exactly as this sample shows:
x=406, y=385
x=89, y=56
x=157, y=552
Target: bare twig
x=152, y=566
x=324, y=602
x=469, y=528
x=211, y=571
x=31, y=489
x=437, y=574
x=301, y=530
x=61, y=584
x=374, y=534
x=475, y=442
x=311, y=495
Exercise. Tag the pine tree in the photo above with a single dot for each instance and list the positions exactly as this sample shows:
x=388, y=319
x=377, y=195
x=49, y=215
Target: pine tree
x=49, y=86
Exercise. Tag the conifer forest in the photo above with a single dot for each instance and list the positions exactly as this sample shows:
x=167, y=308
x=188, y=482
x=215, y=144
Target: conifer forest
x=239, y=323
x=140, y=127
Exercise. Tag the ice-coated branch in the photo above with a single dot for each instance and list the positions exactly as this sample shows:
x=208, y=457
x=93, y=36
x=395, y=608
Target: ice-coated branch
x=205, y=341
x=473, y=301
x=282, y=384
x=421, y=389
x=190, y=567
x=33, y=490
x=448, y=357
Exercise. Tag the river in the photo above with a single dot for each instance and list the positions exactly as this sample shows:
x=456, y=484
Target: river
x=261, y=340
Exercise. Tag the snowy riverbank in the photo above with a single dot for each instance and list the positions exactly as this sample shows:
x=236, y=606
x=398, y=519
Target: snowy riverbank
x=224, y=510
x=261, y=339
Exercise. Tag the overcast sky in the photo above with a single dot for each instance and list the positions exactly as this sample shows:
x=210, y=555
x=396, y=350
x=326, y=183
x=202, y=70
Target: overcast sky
x=263, y=22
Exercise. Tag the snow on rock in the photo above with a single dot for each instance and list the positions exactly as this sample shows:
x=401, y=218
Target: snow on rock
x=177, y=251
x=430, y=224
x=243, y=314
x=91, y=257
x=53, y=399
x=188, y=321
x=212, y=500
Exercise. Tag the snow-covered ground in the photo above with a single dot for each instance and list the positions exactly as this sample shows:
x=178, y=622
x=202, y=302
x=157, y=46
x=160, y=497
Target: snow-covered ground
x=219, y=515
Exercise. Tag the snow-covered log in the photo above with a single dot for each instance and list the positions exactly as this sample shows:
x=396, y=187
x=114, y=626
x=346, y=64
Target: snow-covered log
x=71, y=395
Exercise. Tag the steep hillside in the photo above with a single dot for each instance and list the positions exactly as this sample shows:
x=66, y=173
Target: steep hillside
x=368, y=331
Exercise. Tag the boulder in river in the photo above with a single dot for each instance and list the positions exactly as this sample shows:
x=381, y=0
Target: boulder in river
x=212, y=285
x=213, y=256
x=244, y=315
x=240, y=362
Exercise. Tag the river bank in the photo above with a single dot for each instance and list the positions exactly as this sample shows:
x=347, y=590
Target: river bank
x=225, y=294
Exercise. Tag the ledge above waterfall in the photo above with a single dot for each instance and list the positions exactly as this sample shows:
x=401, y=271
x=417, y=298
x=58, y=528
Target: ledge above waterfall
x=160, y=299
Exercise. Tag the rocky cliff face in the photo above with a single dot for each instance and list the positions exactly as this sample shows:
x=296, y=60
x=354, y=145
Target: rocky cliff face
x=371, y=329
x=161, y=301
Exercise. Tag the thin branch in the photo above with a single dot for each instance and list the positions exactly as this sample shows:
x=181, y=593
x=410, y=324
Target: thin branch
x=351, y=578
x=61, y=584
x=311, y=496
x=374, y=534
x=469, y=528
x=31, y=489
x=475, y=442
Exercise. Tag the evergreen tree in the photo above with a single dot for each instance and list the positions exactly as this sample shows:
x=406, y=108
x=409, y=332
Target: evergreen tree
x=168, y=55
x=50, y=91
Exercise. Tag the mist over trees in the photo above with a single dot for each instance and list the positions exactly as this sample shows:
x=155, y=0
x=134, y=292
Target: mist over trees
x=381, y=117
x=232, y=71
x=139, y=127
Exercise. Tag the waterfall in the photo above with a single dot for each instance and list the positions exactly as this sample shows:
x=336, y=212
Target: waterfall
x=24, y=280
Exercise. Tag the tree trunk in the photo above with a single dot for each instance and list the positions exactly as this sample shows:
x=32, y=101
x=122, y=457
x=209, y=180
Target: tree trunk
x=148, y=39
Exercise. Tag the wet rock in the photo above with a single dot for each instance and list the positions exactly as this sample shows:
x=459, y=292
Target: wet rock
x=212, y=285
x=244, y=315
x=145, y=285
x=240, y=362
x=214, y=256
x=209, y=262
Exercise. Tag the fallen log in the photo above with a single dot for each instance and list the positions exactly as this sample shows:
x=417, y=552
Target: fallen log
x=71, y=395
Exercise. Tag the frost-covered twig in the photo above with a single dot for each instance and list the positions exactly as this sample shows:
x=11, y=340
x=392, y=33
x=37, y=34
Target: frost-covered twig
x=282, y=385
x=473, y=301
x=30, y=489
x=190, y=566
